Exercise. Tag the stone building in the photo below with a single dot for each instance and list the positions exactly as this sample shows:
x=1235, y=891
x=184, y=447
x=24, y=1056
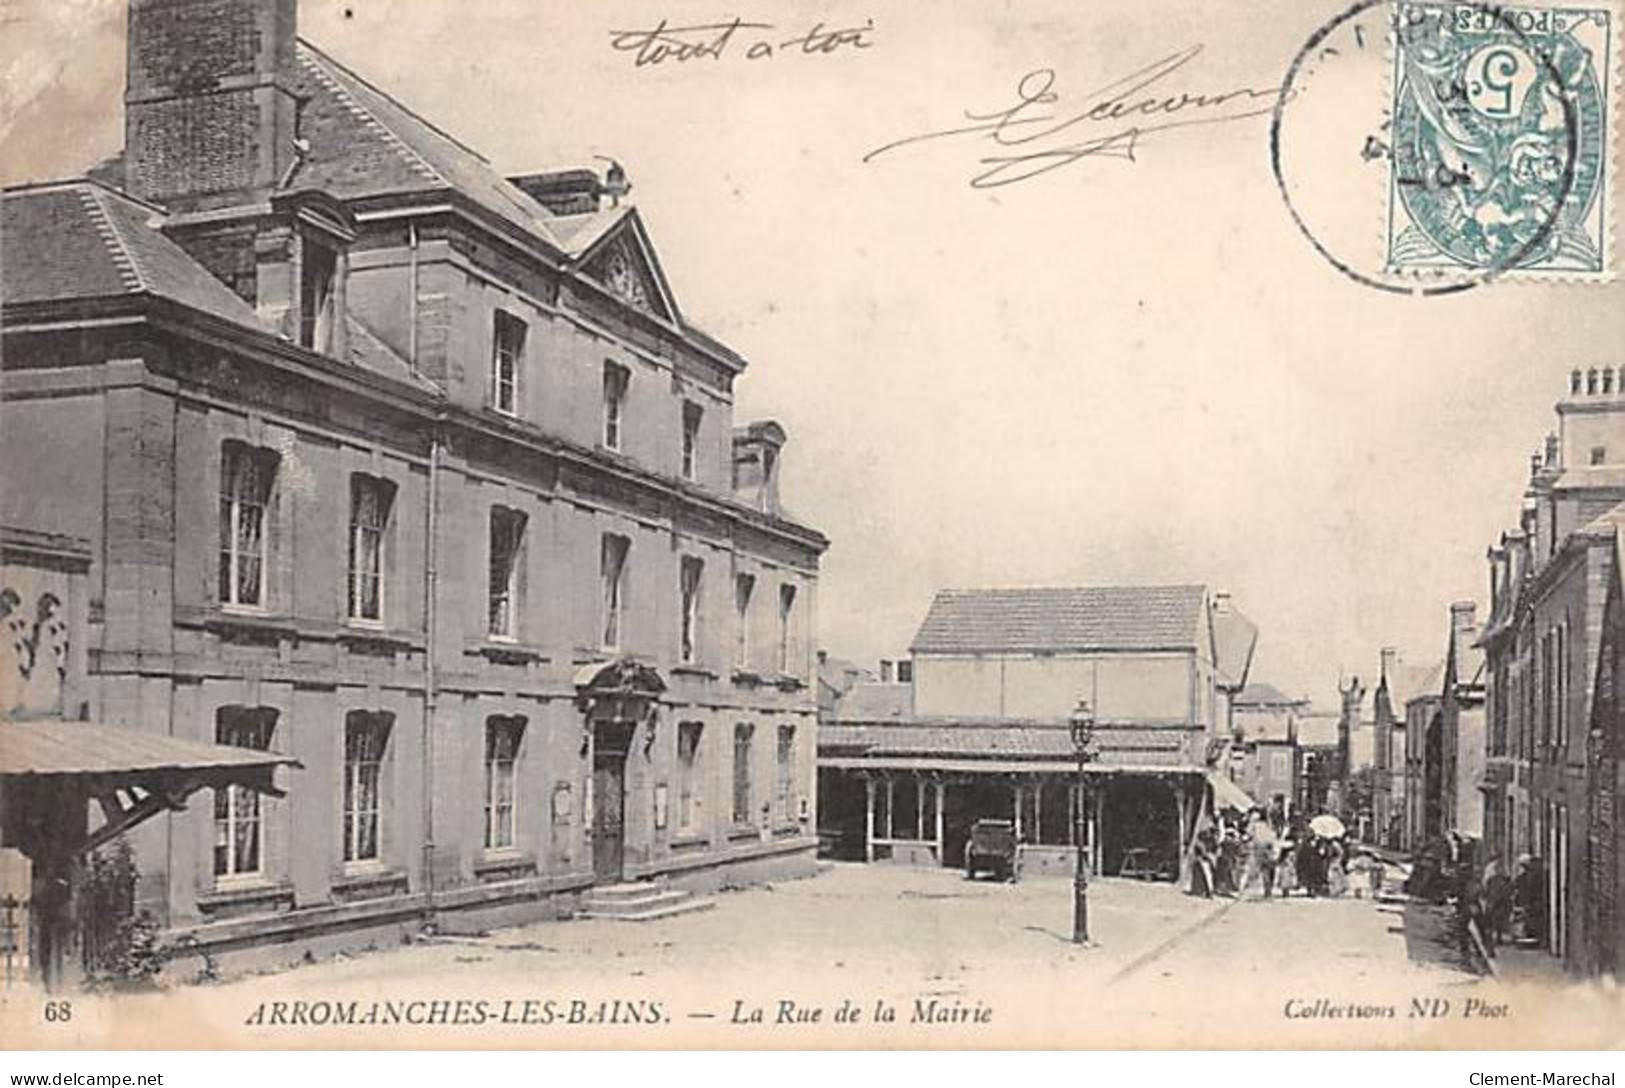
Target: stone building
x=1391, y=740
x=1605, y=784
x=1444, y=739
x=415, y=473
x=980, y=729
x=1264, y=758
x=1549, y=584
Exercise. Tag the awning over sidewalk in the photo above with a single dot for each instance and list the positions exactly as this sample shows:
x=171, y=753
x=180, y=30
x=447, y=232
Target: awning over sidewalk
x=1226, y=794
x=132, y=775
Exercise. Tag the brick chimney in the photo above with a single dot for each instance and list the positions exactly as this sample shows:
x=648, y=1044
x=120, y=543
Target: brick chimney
x=209, y=111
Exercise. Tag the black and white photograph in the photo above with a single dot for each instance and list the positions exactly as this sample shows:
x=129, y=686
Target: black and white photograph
x=804, y=525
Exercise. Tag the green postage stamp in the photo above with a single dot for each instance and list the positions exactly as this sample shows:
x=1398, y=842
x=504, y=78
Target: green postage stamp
x=1502, y=140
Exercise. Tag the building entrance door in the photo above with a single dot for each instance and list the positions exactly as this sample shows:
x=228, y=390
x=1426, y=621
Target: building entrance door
x=609, y=817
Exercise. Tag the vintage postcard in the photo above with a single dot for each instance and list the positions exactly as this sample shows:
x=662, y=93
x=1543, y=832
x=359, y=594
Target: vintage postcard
x=811, y=525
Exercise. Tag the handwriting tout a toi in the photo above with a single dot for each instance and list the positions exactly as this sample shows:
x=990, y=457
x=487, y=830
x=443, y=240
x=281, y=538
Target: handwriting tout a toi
x=667, y=44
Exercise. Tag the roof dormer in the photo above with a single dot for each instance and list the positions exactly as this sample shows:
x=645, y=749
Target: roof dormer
x=301, y=267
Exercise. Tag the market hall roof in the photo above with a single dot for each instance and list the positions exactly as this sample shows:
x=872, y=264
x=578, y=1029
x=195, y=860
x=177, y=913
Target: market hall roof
x=1077, y=618
x=975, y=739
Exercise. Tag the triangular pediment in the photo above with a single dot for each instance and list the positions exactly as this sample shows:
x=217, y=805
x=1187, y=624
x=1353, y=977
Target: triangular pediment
x=623, y=262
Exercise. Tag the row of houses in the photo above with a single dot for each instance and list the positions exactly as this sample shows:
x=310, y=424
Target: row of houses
x=408, y=477
x=1520, y=742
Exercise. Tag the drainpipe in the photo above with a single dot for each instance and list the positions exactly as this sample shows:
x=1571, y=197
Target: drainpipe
x=412, y=297
x=431, y=686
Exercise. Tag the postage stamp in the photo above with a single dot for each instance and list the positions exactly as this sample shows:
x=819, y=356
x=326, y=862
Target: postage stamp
x=1502, y=147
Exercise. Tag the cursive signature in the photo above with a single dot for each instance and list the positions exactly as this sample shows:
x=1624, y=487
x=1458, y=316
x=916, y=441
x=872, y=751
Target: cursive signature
x=1036, y=135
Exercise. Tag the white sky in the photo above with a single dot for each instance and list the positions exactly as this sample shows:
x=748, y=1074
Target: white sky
x=1121, y=371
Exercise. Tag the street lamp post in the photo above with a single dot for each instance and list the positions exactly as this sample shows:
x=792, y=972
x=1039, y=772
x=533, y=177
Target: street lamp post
x=1081, y=725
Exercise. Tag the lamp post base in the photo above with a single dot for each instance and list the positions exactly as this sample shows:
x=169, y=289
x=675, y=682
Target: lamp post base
x=1080, y=912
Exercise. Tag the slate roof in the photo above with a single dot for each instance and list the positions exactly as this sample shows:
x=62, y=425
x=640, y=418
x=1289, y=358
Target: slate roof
x=365, y=143
x=1235, y=637
x=1608, y=523
x=1259, y=693
x=1407, y=682
x=1591, y=476
x=868, y=702
x=1055, y=619
x=79, y=240
x=578, y=233
x=371, y=353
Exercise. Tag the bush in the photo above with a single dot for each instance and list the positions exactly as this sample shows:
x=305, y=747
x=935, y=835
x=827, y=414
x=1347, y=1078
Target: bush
x=121, y=948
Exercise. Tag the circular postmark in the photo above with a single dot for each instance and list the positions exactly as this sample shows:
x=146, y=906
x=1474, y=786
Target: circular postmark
x=1426, y=147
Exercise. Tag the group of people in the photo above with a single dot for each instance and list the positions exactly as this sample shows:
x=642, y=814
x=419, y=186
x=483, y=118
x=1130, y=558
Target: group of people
x=1509, y=907
x=1262, y=850
x=1504, y=907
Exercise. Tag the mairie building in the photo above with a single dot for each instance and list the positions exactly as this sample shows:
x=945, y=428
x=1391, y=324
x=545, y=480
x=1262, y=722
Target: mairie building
x=415, y=474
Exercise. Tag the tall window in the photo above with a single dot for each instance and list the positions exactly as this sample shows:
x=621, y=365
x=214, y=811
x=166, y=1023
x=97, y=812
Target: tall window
x=615, y=382
x=688, y=650
x=365, y=736
x=502, y=736
x=507, y=545
x=507, y=356
x=688, y=779
x=744, y=586
x=612, y=575
x=787, y=608
x=370, y=501
x=742, y=738
x=1564, y=663
x=247, y=474
x=784, y=784
x=239, y=824
x=318, y=271
x=1548, y=673
x=692, y=415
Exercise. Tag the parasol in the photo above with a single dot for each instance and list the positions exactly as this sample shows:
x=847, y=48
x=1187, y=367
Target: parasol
x=1327, y=826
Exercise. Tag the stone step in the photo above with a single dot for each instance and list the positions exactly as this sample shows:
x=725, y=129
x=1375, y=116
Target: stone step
x=661, y=897
x=632, y=890
x=667, y=906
